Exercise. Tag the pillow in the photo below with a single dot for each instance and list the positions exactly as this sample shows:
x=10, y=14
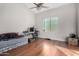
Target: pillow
x=2, y=37
x=11, y=35
x=7, y=36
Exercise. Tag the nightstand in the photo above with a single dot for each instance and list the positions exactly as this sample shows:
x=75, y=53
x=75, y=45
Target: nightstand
x=73, y=41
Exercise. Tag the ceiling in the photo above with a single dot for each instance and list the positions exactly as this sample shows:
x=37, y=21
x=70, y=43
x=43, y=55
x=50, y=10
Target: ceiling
x=50, y=6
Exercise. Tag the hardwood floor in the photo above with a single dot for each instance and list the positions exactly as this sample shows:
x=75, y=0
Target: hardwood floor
x=43, y=47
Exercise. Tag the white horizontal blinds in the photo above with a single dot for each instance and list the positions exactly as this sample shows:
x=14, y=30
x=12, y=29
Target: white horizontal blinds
x=50, y=23
x=43, y=25
x=47, y=24
x=54, y=23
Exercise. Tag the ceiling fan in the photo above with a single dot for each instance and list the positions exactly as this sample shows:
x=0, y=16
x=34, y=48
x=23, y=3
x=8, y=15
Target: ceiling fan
x=38, y=6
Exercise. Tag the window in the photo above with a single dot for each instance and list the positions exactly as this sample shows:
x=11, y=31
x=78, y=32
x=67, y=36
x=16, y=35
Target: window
x=50, y=24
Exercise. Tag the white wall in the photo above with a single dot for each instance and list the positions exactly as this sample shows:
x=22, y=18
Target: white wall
x=15, y=18
x=66, y=24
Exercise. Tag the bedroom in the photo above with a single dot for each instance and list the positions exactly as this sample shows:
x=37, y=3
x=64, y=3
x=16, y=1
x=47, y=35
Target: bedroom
x=18, y=17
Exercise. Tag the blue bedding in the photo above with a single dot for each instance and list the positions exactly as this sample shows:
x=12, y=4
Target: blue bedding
x=13, y=43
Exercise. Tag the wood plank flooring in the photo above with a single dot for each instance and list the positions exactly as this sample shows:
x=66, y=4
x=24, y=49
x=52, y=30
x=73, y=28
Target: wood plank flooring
x=43, y=47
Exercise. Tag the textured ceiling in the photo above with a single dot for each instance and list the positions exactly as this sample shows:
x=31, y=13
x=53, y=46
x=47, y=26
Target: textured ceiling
x=50, y=6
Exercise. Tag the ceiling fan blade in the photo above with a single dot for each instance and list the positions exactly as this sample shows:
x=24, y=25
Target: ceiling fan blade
x=44, y=6
x=33, y=7
x=35, y=3
x=40, y=3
